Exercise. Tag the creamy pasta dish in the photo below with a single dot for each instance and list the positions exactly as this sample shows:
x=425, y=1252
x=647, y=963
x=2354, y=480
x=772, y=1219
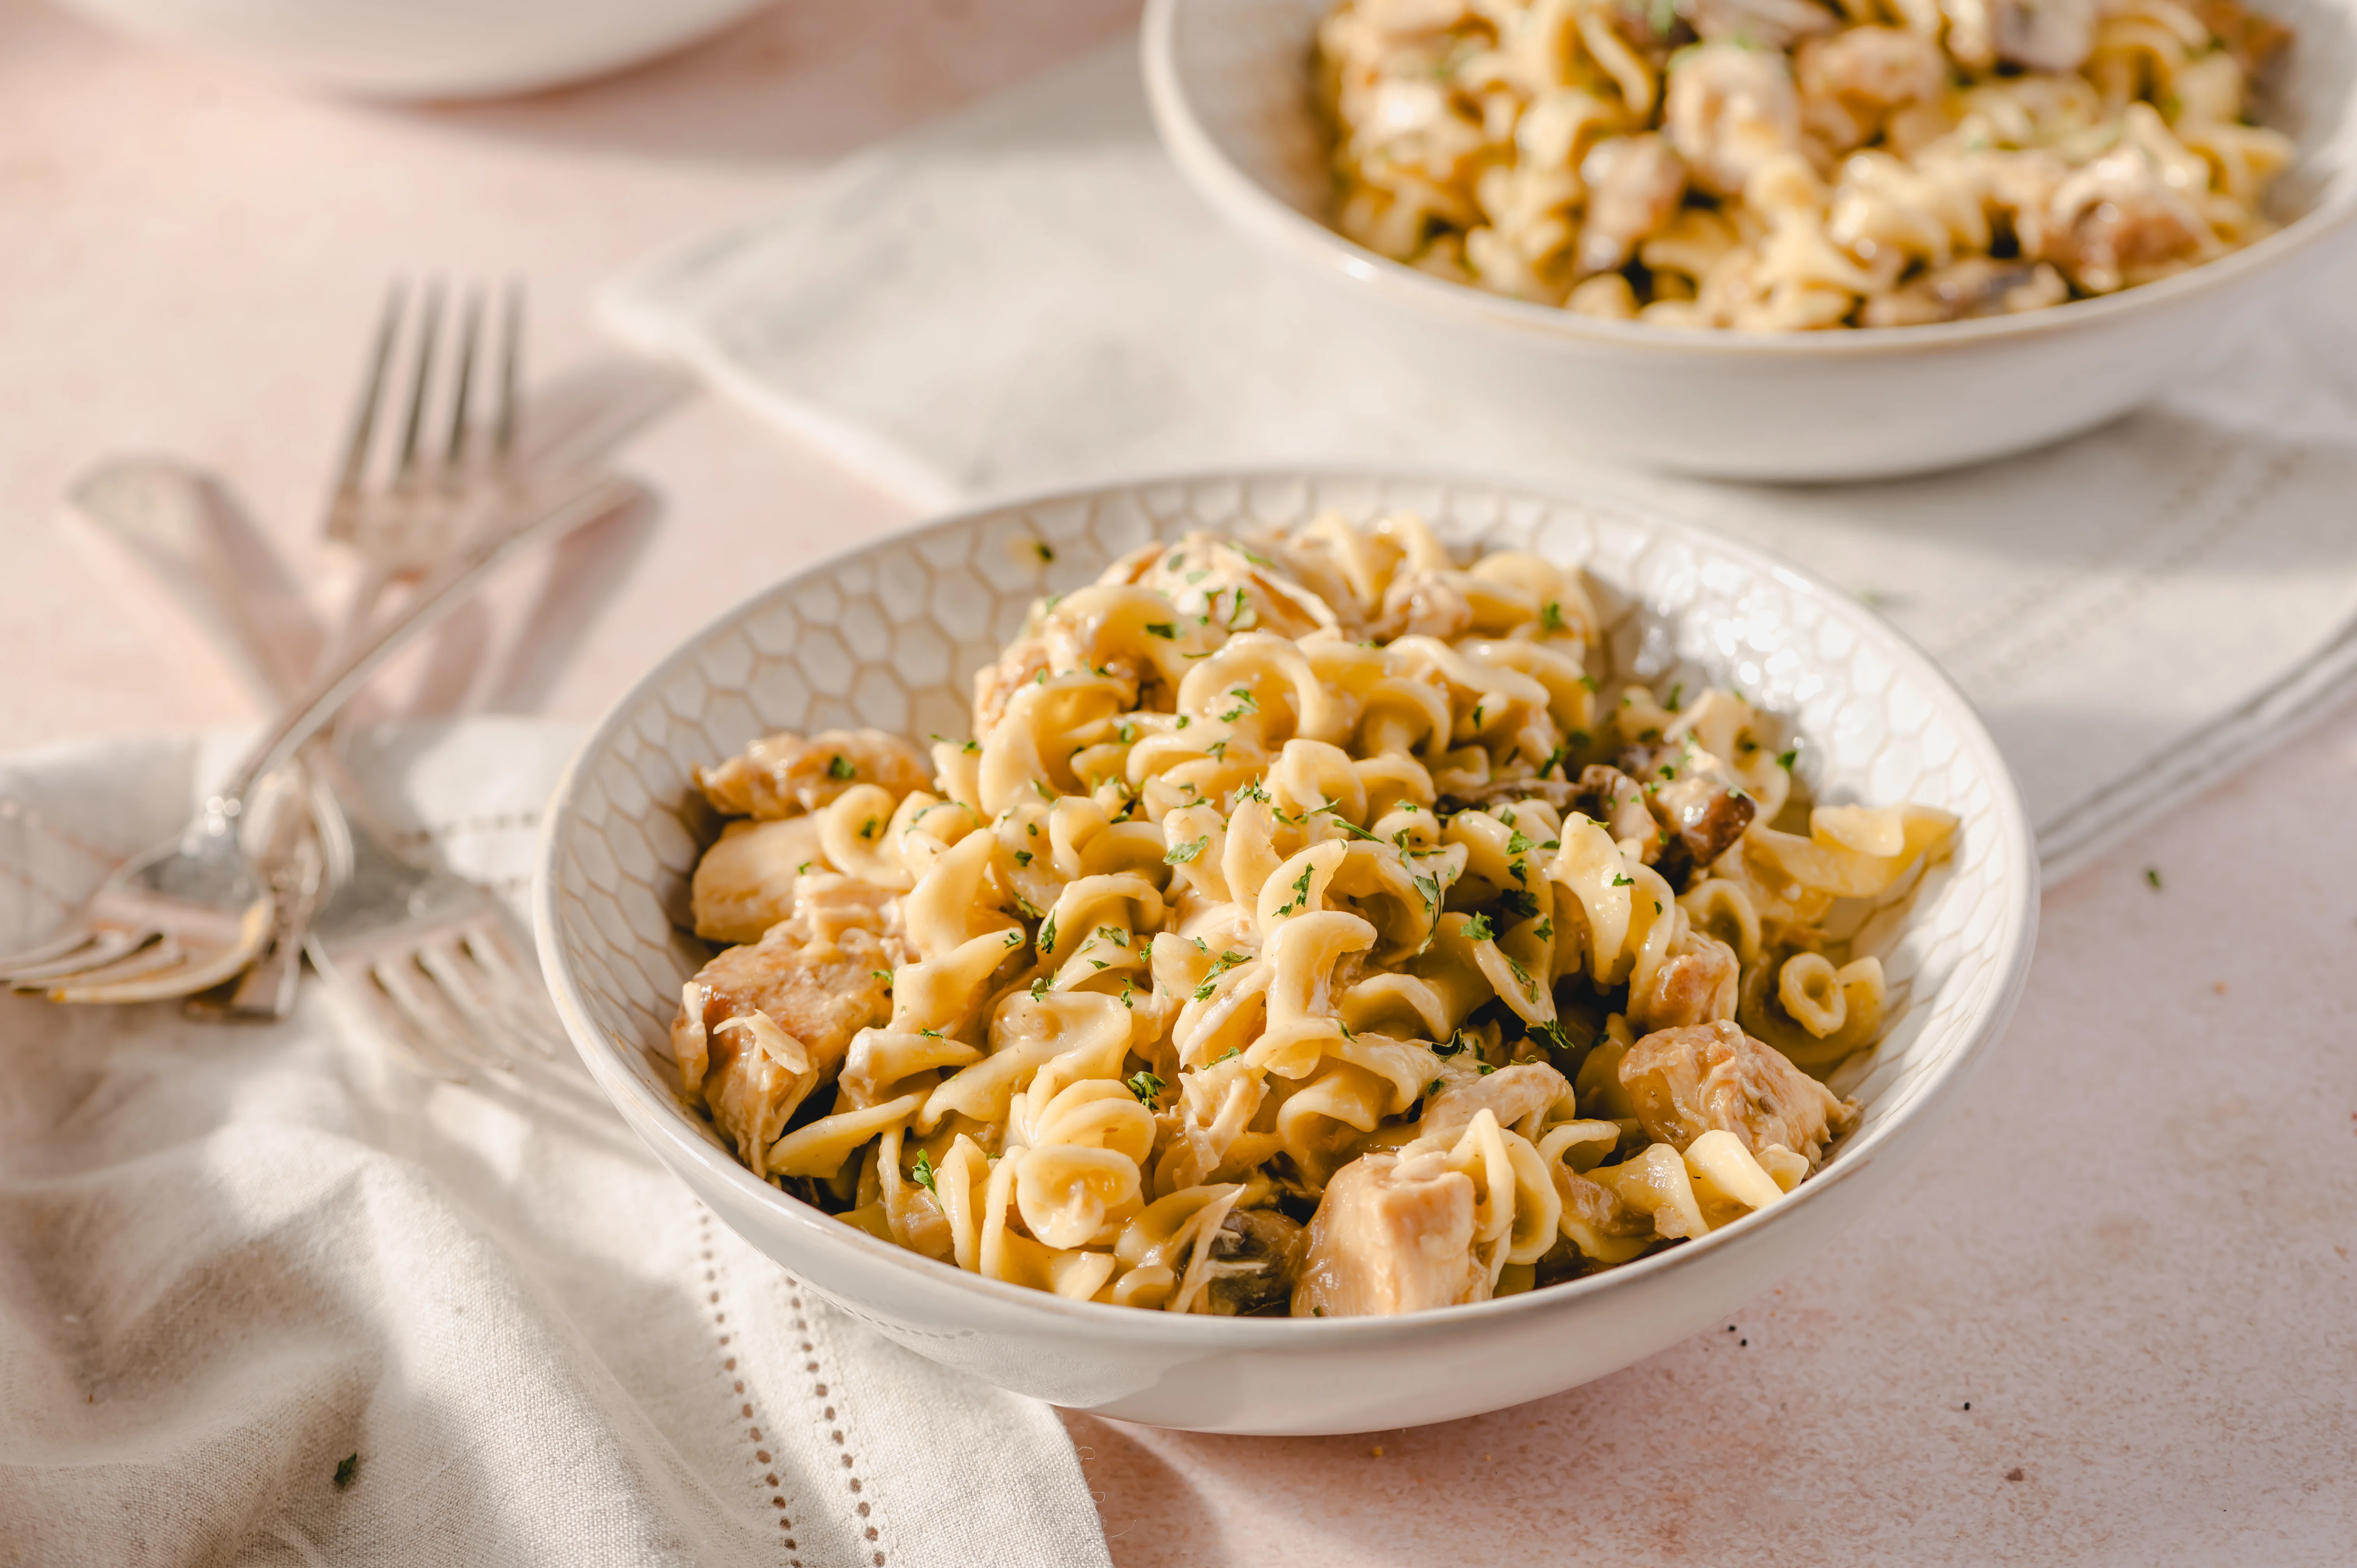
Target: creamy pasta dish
x=1782, y=165
x=1312, y=925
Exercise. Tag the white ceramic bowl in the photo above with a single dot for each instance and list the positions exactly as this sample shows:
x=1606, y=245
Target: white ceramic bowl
x=1228, y=84
x=889, y=635
x=423, y=49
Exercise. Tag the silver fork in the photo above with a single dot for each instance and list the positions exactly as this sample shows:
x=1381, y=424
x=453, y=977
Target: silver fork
x=398, y=524
x=189, y=913
x=428, y=958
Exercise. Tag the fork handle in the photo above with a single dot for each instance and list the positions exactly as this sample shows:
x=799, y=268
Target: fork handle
x=572, y=506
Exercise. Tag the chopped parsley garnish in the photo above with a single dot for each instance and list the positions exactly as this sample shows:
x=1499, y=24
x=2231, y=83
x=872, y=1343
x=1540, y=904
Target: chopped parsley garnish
x=1484, y=1068
x=1677, y=695
x=1180, y=853
x=1047, y=936
x=1478, y=930
x=1624, y=880
x=1040, y=548
x=1219, y=750
x=972, y=749
x=346, y=1468
x=1300, y=892
x=1039, y=989
x=802, y=870
x=839, y=767
x=867, y=828
x=2152, y=875
x=922, y=1174
x=1544, y=929
x=1145, y=1086
x=1519, y=904
x=1245, y=704
x=1252, y=791
x=1125, y=732
x=1434, y=1087
x=1162, y=629
x=1254, y=558
x=1219, y=966
x=1232, y=1052
x=1430, y=887
x=1022, y=857
x=1550, y=616
x=1183, y=722
x=1557, y=1035
x=1784, y=759
x=1517, y=844
x=1114, y=935
x=1015, y=939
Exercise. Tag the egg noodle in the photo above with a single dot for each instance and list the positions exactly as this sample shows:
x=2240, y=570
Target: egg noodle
x=1311, y=926
x=1780, y=165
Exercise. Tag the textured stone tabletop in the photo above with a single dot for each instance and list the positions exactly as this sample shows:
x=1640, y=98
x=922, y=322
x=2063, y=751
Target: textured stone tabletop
x=2111, y=1317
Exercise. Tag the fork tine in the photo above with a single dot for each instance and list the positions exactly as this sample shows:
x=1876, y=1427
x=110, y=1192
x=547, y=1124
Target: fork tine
x=394, y=1030
x=445, y=964
x=425, y=1008
x=454, y=453
x=87, y=948
x=430, y=327
x=503, y=426
x=517, y=991
x=350, y=479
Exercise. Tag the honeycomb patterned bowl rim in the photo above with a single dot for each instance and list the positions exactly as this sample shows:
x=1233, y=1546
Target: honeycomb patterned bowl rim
x=1947, y=1034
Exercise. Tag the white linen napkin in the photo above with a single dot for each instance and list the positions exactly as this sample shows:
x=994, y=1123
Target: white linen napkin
x=231, y=1257
x=1026, y=294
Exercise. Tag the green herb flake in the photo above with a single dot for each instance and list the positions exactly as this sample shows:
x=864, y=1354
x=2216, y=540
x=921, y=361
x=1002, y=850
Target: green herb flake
x=1624, y=880
x=839, y=767
x=1229, y=1054
x=346, y=1468
x=1043, y=550
x=1550, y=616
x=1478, y=930
x=1300, y=892
x=1180, y=854
x=1517, y=844
x=1162, y=629
x=2152, y=875
x=1145, y=1086
x=802, y=870
x=1784, y=759
x=972, y=749
x=922, y=1174
x=1047, y=936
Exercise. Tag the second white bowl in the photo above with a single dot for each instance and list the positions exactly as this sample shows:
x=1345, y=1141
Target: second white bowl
x=1228, y=84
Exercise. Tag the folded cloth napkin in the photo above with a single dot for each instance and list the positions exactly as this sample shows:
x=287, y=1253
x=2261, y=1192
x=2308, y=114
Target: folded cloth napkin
x=266, y=1297
x=1027, y=294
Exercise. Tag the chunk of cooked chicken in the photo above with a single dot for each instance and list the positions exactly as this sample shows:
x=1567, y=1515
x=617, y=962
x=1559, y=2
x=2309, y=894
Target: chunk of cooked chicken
x=1851, y=82
x=1690, y=1080
x=1391, y=1235
x=1511, y=1093
x=1696, y=985
x=781, y=775
x=1634, y=186
x=745, y=883
x=802, y=992
x=1729, y=109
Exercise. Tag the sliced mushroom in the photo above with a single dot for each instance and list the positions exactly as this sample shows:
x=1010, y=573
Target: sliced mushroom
x=1253, y=1259
x=1975, y=286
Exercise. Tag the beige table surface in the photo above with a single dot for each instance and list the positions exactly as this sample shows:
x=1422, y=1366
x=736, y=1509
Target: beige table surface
x=2110, y=1318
